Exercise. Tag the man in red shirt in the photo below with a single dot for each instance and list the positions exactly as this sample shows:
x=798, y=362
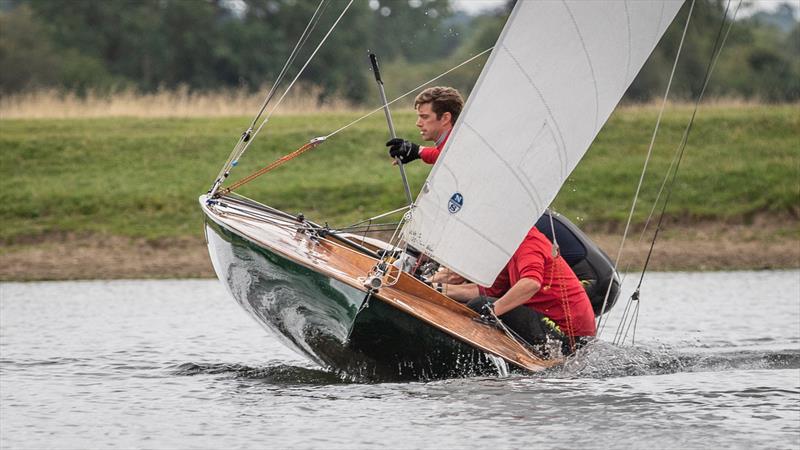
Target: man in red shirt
x=437, y=110
x=537, y=296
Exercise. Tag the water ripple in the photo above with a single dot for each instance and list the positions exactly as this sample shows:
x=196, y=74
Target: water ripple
x=603, y=360
x=277, y=373
x=599, y=360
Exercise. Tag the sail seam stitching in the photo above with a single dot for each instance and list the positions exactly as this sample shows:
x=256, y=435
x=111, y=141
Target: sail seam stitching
x=507, y=164
x=628, y=57
x=591, y=66
x=563, y=147
x=530, y=149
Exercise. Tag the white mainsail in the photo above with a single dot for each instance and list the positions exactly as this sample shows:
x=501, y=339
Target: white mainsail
x=555, y=75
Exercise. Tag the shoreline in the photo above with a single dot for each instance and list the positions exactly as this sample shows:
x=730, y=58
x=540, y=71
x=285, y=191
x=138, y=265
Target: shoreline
x=705, y=247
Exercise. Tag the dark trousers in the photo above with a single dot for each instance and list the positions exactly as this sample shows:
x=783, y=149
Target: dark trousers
x=534, y=328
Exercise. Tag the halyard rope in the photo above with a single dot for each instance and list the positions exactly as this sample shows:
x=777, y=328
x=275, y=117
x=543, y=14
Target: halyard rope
x=563, y=294
x=277, y=163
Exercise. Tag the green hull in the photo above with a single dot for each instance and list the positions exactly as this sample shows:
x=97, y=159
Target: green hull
x=327, y=320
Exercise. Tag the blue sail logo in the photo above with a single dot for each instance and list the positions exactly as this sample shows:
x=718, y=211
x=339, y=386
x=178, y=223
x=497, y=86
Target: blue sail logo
x=455, y=203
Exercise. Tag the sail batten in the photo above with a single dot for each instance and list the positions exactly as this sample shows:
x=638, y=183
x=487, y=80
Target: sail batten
x=557, y=71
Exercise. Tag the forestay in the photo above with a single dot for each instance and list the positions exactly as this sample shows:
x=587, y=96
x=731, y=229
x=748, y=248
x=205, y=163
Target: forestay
x=555, y=75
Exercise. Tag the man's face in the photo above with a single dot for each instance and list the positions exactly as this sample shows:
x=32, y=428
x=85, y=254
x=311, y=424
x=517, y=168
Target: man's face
x=430, y=128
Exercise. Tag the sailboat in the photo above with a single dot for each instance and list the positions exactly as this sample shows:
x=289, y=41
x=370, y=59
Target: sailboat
x=353, y=304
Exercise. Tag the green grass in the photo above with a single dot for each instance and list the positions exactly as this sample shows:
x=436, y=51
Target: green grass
x=141, y=177
x=739, y=163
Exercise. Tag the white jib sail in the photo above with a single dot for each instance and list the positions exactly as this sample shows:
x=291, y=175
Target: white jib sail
x=555, y=75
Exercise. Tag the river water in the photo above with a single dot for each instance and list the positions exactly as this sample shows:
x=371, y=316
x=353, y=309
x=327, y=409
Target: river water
x=177, y=364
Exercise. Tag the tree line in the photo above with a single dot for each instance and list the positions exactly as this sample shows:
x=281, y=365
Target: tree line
x=147, y=45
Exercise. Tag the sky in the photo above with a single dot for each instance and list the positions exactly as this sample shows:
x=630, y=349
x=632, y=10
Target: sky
x=474, y=6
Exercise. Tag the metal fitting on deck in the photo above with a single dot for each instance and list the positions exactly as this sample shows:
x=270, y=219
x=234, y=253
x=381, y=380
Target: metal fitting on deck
x=373, y=282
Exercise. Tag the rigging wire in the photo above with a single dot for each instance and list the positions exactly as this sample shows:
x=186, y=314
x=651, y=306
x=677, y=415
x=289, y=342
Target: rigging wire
x=380, y=216
x=666, y=175
x=658, y=196
x=514, y=336
x=360, y=225
x=300, y=72
x=235, y=154
x=619, y=337
x=410, y=92
x=371, y=228
x=600, y=323
x=319, y=140
x=248, y=135
x=303, y=38
x=383, y=268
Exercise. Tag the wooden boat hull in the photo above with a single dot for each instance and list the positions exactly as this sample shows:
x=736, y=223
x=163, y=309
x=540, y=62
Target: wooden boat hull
x=307, y=291
x=318, y=317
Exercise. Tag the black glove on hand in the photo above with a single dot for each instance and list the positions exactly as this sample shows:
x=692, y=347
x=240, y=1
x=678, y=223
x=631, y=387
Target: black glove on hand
x=487, y=316
x=404, y=150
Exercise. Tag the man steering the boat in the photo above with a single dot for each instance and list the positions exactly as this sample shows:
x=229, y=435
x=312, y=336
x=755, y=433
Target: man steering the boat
x=537, y=296
x=437, y=110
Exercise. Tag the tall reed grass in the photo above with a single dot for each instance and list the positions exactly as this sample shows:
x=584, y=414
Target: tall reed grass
x=181, y=102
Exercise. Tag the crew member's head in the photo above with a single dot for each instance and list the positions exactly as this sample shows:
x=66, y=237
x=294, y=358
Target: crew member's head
x=437, y=110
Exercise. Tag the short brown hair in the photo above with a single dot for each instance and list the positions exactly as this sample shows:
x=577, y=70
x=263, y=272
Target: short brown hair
x=442, y=99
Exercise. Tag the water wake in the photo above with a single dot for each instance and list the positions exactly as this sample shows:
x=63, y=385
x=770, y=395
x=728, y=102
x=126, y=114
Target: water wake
x=598, y=360
x=605, y=360
x=275, y=372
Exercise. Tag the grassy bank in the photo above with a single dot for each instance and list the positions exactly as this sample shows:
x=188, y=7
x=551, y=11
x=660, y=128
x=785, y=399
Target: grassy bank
x=141, y=177
x=117, y=197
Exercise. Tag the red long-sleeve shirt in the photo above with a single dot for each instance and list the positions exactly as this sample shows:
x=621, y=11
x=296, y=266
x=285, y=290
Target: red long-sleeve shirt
x=431, y=154
x=534, y=259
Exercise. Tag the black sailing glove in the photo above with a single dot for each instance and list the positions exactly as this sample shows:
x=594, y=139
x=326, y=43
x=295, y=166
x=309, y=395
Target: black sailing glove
x=487, y=316
x=404, y=150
